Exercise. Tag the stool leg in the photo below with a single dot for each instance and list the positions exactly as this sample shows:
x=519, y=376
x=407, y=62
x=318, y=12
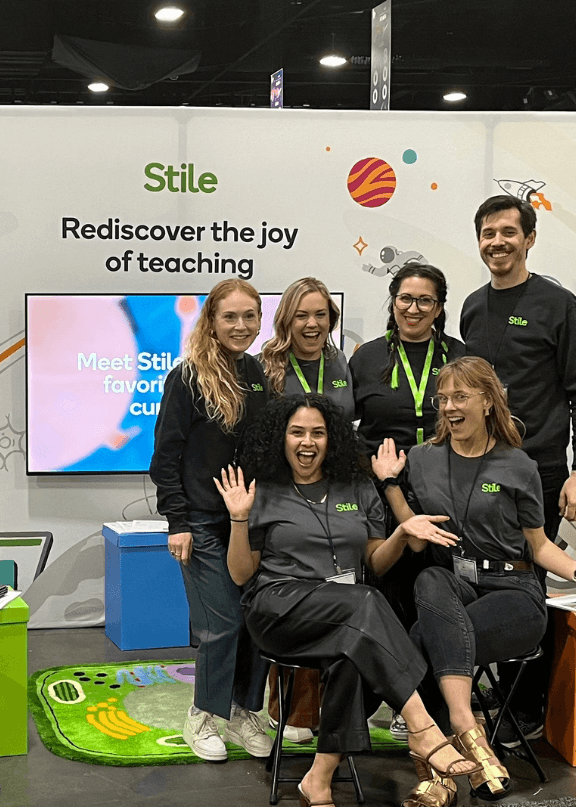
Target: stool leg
x=356, y=779
x=505, y=710
x=284, y=701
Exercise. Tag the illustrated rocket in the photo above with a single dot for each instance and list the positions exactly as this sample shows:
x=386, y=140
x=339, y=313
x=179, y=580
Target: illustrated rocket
x=521, y=190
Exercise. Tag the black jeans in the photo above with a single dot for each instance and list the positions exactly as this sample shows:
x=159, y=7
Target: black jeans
x=462, y=624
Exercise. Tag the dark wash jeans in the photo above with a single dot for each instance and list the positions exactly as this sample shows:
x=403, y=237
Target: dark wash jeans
x=228, y=665
x=460, y=624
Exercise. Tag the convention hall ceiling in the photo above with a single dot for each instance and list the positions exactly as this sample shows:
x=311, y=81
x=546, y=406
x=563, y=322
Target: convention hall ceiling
x=505, y=54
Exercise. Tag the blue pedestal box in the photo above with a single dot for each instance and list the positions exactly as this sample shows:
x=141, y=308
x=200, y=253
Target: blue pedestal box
x=145, y=599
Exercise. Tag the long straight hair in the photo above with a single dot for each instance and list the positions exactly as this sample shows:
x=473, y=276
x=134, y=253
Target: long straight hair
x=209, y=366
x=275, y=352
x=476, y=373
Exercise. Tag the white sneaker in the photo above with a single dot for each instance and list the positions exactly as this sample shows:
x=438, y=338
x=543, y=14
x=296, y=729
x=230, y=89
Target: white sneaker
x=398, y=727
x=201, y=734
x=245, y=730
x=295, y=734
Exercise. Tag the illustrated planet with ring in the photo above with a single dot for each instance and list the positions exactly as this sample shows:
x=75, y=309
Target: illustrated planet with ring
x=371, y=182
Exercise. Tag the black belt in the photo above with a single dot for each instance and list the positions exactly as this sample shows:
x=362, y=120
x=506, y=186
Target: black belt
x=503, y=566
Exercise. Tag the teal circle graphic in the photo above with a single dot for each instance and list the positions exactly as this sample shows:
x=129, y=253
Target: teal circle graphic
x=409, y=156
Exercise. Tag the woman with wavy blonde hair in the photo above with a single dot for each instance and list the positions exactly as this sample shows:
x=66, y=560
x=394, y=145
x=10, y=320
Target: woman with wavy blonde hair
x=302, y=356
x=208, y=402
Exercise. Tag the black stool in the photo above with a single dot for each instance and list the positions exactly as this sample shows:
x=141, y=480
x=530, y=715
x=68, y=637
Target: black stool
x=284, y=704
x=505, y=710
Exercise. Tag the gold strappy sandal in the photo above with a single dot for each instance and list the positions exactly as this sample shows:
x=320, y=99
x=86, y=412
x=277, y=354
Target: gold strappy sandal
x=426, y=769
x=492, y=782
x=440, y=791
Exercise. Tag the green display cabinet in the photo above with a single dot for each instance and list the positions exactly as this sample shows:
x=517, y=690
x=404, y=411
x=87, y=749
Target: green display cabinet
x=13, y=678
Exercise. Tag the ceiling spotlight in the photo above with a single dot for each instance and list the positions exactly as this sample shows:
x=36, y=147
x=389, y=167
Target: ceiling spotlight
x=98, y=86
x=168, y=13
x=454, y=96
x=332, y=60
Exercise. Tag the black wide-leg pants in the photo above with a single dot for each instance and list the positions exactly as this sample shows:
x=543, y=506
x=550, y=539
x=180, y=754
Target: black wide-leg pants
x=363, y=650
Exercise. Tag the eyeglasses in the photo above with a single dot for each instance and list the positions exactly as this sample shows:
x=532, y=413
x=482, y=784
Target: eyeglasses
x=460, y=400
x=425, y=304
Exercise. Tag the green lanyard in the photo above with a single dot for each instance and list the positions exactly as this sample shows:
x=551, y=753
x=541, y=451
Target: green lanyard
x=417, y=392
x=300, y=374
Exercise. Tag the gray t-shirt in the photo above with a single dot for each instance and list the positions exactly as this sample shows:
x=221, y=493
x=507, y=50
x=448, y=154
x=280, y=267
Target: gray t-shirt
x=507, y=497
x=288, y=531
x=337, y=381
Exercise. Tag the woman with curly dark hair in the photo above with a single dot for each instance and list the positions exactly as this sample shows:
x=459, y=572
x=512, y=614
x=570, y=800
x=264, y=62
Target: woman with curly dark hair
x=315, y=517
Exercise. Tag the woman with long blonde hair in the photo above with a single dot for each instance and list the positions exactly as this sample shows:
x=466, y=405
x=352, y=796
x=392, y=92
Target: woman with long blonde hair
x=208, y=402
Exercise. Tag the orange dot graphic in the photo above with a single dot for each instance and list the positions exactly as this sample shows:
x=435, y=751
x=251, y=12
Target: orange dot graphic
x=434, y=186
x=327, y=148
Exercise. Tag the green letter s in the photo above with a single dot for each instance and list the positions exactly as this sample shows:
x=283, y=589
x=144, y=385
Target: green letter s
x=149, y=172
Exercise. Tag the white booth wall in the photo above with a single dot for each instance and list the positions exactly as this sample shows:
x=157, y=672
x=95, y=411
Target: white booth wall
x=288, y=168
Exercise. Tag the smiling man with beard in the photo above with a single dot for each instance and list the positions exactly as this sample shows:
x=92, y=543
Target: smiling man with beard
x=525, y=327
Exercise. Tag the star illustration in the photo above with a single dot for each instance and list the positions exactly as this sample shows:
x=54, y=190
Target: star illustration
x=360, y=245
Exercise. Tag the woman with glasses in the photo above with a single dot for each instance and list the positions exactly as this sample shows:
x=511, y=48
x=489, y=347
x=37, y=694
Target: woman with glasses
x=480, y=601
x=393, y=381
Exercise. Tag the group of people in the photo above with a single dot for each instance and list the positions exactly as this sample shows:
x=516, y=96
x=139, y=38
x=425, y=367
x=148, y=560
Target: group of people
x=455, y=478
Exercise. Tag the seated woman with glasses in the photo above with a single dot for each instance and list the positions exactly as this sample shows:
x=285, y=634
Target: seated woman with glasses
x=479, y=601
x=315, y=518
x=393, y=380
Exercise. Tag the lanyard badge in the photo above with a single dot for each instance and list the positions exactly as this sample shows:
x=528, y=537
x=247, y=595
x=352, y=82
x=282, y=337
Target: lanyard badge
x=417, y=392
x=300, y=375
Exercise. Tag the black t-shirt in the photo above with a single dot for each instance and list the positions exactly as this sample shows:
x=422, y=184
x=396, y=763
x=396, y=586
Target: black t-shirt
x=386, y=412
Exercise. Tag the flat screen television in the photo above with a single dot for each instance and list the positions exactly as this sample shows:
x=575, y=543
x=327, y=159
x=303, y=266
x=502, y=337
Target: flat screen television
x=95, y=368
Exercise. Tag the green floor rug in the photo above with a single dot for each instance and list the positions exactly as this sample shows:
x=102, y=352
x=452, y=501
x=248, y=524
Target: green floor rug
x=131, y=714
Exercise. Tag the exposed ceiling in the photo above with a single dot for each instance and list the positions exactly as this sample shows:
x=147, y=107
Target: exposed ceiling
x=506, y=54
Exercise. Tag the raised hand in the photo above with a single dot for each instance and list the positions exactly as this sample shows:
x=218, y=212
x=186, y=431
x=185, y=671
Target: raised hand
x=237, y=498
x=427, y=528
x=386, y=462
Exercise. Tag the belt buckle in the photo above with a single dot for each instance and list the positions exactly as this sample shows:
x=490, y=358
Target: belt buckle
x=508, y=567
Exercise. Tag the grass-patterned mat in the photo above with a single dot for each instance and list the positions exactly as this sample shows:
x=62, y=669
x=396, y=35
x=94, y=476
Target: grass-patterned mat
x=129, y=714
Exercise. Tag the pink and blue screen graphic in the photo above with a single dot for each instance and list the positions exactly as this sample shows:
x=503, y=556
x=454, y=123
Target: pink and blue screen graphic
x=96, y=366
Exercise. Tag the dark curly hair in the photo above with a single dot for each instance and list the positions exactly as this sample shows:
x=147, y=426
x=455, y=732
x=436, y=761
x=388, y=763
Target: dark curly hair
x=263, y=457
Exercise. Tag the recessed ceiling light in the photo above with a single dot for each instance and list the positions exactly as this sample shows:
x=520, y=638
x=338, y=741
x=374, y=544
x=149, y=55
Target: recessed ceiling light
x=98, y=86
x=455, y=96
x=168, y=13
x=332, y=61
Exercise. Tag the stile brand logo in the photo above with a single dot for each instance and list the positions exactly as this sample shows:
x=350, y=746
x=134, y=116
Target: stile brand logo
x=257, y=387
x=339, y=382
x=346, y=507
x=490, y=487
x=517, y=321
x=167, y=177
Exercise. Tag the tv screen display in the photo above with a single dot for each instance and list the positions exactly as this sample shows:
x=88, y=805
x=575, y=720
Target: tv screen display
x=95, y=370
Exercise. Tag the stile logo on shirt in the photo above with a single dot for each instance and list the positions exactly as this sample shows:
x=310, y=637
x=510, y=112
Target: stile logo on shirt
x=490, y=487
x=339, y=382
x=517, y=321
x=257, y=388
x=436, y=370
x=346, y=507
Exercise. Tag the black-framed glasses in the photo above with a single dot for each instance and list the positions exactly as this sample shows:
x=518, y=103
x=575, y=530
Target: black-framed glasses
x=460, y=400
x=425, y=304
